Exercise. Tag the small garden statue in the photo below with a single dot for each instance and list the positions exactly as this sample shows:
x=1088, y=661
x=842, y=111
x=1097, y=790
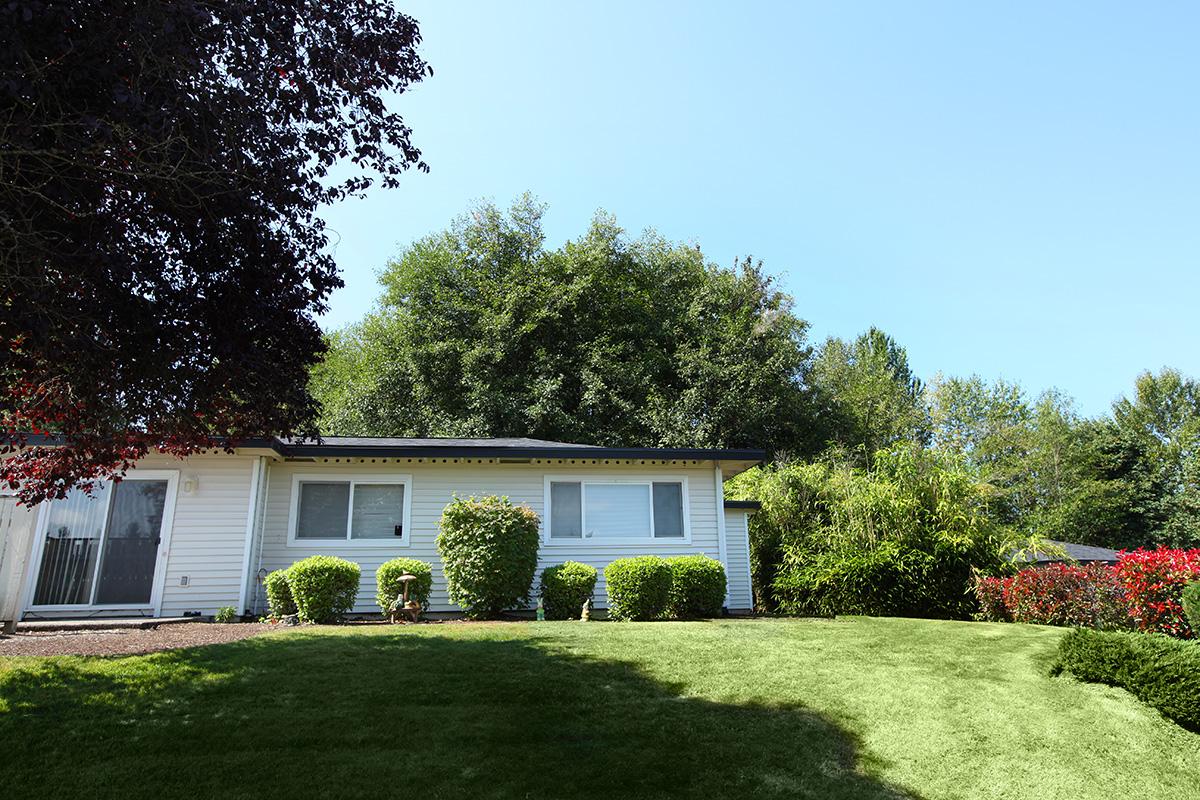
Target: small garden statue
x=403, y=606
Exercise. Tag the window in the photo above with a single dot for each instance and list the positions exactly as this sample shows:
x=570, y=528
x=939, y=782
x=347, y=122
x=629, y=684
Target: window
x=363, y=511
x=599, y=511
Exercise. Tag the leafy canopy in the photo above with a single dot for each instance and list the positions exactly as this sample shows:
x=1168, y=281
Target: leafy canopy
x=901, y=537
x=870, y=397
x=161, y=254
x=483, y=330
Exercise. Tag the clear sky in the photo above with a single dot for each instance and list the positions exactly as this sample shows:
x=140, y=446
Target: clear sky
x=1009, y=189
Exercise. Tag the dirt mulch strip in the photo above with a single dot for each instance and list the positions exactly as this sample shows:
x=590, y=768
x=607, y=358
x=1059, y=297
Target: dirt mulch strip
x=126, y=641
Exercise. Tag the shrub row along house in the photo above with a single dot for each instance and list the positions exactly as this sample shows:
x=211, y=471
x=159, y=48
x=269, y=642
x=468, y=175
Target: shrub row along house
x=180, y=537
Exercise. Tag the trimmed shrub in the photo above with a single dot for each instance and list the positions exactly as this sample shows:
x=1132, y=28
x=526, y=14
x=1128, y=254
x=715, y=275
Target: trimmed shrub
x=1069, y=595
x=226, y=614
x=1153, y=581
x=565, y=588
x=638, y=588
x=389, y=588
x=697, y=587
x=1158, y=670
x=279, y=594
x=1191, y=606
x=324, y=587
x=489, y=552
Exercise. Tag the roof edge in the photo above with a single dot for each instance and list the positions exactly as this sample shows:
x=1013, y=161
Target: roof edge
x=590, y=453
x=316, y=448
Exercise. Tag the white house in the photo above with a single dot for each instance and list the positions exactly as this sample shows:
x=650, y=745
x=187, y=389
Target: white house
x=179, y=537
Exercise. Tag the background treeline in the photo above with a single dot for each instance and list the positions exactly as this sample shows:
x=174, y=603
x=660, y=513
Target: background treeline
x=883, y=493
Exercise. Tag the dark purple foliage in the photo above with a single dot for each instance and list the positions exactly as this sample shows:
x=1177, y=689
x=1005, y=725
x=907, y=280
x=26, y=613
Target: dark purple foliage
x=162, y=166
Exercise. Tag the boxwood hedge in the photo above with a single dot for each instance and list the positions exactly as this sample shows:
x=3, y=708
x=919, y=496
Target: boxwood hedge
x=697, y=587
x=279, y=594
x=1157, y=669
x=638, y=588
x=566, y=587
x=1191, y=606
x=324, y=587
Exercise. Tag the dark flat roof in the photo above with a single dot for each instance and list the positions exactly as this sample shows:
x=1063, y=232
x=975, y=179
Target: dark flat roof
x=391, y=447
x=357, y=446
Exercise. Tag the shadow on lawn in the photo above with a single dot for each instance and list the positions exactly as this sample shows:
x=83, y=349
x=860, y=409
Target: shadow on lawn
x=401, y=715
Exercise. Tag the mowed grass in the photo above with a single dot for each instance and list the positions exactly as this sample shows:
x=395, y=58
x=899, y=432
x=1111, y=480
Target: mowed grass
x=846, y=708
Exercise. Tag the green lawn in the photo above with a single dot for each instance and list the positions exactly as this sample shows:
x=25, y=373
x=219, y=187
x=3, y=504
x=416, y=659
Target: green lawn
x=853, y=707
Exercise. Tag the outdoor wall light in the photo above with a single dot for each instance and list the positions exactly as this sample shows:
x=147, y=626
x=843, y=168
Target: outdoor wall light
x=191, y=483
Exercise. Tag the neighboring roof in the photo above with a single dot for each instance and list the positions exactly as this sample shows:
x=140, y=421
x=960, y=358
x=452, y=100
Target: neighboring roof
x=1074, y=552
x=752, y=505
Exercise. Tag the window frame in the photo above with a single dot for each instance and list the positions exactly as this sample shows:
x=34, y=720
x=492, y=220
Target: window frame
x=627, y=541
x=396, y=479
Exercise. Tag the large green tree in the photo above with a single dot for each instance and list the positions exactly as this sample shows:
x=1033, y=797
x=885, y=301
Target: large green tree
x=483, y=330
x=869, y=396
x=1162, y=421
x=1055, y=474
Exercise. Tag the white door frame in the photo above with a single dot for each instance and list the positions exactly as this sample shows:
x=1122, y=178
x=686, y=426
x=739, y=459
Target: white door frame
x=171, y=476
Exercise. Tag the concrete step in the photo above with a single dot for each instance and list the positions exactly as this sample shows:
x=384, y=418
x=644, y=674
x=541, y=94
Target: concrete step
x=95, y=624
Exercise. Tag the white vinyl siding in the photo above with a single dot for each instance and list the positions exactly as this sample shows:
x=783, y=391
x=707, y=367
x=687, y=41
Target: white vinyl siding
x=434, y=482
x=739, y=595
x=208, y=532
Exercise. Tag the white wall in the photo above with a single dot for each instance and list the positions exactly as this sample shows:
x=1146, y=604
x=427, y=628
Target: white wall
x=435, y=482
x=17, y=525
x=739, y=595
x=208, y=532
x=208, y=529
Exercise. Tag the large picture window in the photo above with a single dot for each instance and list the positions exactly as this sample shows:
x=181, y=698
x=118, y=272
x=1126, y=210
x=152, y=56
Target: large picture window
x=362, y=511
x=599, y=511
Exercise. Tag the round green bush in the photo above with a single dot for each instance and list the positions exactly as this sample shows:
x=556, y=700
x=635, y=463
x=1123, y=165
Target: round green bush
x=697, y=587
x=638, y=588
x=566, y=587
x=1191, y=606
x=489, y=553
x=279, y=594
x=324, y=587
x=389, y=587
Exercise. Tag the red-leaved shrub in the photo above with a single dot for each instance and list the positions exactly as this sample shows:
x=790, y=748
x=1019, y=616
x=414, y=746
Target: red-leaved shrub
x=1087, y=596
x=990, y=594
x=1153, y=583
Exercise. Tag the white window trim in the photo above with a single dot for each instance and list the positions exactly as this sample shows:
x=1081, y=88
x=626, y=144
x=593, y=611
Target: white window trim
x=347, y=542
x=171, y=476
x=633, y=541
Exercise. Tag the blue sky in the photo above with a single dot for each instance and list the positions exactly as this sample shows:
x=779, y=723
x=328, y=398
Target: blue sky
x=1009, y=189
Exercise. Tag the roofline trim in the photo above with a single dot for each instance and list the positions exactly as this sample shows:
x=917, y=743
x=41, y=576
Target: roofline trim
x=579, y=453
x=748, y=505
x=313, y=449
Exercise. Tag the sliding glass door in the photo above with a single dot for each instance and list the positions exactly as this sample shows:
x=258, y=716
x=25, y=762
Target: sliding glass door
x=102, y=549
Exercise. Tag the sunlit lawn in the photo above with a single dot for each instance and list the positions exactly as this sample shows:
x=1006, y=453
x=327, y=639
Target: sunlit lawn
x=753, y=708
